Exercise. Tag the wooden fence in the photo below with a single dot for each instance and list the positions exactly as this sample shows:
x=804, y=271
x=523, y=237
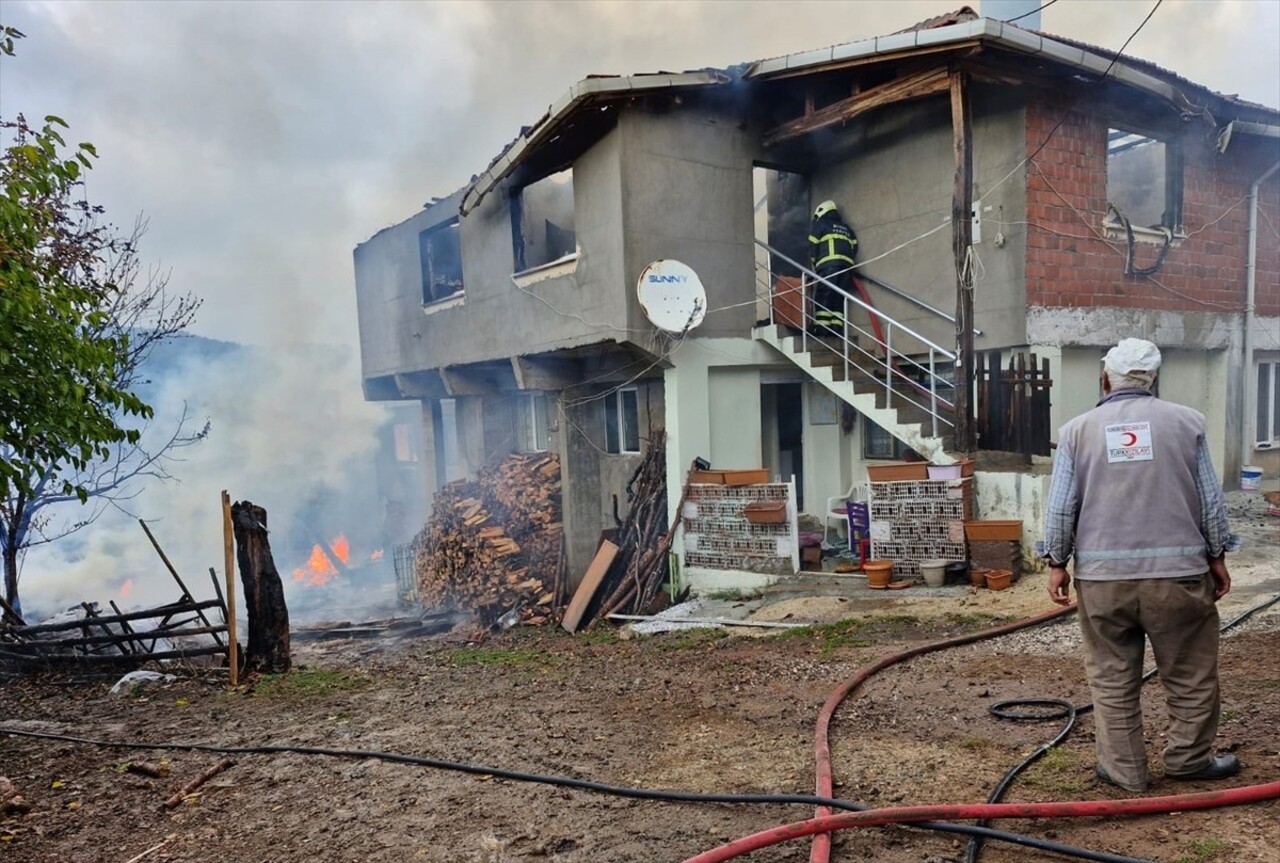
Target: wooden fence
x=1013, y=403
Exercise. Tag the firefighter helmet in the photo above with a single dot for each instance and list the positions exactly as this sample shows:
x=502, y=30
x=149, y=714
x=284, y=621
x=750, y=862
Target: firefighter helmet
x=824, y=208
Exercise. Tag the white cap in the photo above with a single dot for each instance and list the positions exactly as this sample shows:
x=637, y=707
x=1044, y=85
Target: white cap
x=1132, y=355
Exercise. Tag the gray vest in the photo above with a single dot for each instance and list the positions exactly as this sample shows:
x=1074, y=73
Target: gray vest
x=1135, y=467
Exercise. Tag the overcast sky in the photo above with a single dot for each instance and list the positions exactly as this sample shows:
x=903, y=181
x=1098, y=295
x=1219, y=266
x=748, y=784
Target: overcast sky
x=264, y=140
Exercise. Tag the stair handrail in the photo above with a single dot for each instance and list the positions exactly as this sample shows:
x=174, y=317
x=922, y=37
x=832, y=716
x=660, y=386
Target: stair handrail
x=849, y=298
x=891, y=364
x=911, y=298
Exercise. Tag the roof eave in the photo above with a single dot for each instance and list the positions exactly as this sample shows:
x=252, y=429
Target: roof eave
x=566, y=105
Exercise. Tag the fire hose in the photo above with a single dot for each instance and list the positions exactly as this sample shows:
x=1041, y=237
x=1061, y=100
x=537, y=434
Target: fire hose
x=922, y=817
x=824, y=823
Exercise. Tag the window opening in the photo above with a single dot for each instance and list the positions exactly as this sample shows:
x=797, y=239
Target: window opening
x=542, y=222
x=440, y=249
x=622, y=421
x=405, y=446
x=531, y=422
x=1144, y=179
x=1267, y=404
x=455, y=467
x=879, y=444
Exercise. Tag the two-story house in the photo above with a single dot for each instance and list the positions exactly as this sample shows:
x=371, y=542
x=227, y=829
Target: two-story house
x=1103, y=197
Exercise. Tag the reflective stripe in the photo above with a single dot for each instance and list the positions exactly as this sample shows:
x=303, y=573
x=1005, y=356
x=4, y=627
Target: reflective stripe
x=813, y=239
x=843, y=258
x=1137, y=553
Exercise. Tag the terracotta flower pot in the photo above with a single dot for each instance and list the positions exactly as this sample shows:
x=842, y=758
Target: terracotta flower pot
x=978, y=576
x=879, y=573
x=999, y=579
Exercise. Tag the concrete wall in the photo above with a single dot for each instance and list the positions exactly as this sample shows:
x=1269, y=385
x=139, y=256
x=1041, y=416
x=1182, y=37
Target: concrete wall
x=494, y=317
x=892, y=175
x=686, y=194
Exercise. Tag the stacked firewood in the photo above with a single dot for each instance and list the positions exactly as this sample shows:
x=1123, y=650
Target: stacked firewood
x=495, y=544
x=644, y=541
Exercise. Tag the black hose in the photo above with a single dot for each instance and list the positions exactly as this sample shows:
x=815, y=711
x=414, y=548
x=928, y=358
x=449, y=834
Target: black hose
x=1065, y=711
x=810, y=800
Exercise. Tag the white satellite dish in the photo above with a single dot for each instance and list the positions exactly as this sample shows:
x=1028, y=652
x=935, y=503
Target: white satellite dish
x=672, y=296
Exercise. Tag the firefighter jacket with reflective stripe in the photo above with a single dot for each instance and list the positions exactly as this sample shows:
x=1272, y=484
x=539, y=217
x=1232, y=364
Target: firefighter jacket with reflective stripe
x=832, y=244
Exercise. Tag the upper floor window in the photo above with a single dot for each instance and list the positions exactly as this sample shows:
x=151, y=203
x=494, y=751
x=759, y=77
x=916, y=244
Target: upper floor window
x=1144, y=179
x=531, y=422
x=1267, y=410
x=622, y=421
x=440, y=249
x=542, y=223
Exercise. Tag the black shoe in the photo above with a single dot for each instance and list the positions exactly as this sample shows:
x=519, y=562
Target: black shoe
x=1102, y=774
x=1219, y=767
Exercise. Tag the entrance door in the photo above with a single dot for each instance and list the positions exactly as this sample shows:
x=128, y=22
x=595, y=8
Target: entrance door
x=782, y=423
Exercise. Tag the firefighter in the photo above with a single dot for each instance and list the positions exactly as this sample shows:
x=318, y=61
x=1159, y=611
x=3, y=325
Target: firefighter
x=833, y=250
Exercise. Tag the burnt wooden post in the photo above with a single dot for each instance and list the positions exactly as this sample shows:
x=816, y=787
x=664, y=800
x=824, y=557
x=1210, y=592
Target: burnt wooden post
x=961, y=240
x=268, y=648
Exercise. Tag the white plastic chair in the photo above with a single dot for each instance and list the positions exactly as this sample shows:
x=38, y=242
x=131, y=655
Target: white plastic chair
x=837, y=510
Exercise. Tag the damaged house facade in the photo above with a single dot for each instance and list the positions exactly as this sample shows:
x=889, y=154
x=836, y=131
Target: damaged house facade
x=1081, y=198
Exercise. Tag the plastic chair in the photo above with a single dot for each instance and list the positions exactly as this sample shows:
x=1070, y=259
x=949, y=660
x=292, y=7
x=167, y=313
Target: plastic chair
x=838, y=510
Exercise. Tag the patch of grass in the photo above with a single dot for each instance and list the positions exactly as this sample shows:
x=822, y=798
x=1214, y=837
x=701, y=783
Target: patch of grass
x=830, y=636
x=308, y=684
x=496, y=656
x=692, y=639
x=976, y=744
x=1202, y=851
x=1058, y=771
x=598, y=635
x=731, y=594
x=972, y=618
x=1229, y=714
x=897, y=619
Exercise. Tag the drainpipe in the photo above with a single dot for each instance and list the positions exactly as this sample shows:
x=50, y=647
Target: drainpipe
x=1250, y=291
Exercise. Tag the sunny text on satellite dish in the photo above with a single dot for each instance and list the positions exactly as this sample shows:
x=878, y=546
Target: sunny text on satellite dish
x=672, y=296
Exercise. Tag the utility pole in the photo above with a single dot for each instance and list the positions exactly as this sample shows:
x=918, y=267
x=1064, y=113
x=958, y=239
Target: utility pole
x=961, y=240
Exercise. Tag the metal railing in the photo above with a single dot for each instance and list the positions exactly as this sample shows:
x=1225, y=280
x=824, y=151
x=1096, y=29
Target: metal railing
x=911, y=298
x=914, y=378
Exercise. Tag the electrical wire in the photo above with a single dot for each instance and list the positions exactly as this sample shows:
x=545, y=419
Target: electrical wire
x=1029, y=14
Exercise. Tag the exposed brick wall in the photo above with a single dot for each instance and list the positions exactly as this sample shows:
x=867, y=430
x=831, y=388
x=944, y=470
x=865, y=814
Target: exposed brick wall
x=1069, y=265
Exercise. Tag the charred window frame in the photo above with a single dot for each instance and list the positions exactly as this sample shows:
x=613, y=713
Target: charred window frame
x=531, y=422
x=1266, y=425
x=1145, y=178
x=622, y=421
x=543, y=227
x=440, y=250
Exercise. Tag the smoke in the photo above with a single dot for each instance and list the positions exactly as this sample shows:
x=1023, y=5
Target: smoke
x=290, y=431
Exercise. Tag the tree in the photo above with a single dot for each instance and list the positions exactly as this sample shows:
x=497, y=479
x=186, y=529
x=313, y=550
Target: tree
x=77, y=330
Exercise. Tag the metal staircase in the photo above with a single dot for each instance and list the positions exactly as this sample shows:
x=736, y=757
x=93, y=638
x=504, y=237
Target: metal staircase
x=890, y=373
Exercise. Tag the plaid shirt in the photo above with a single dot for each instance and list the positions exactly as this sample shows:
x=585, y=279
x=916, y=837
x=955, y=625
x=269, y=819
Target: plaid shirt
x=1063, y=507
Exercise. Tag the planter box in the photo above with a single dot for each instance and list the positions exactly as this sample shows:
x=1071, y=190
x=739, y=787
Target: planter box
x=766, y=512
x=746, y=477
x=959, y=470
x=1009, y=530
x=707, y=477
x=898, y=471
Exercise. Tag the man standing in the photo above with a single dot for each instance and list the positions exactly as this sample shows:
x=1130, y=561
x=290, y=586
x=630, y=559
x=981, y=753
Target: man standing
x=833, y=248
x=1135, y=499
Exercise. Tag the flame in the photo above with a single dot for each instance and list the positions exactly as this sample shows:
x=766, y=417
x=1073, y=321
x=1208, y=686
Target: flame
x=126, y=588
x=320, y=570
x=377, y=554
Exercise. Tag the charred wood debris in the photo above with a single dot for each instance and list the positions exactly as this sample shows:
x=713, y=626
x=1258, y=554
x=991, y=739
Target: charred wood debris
x=494, y=548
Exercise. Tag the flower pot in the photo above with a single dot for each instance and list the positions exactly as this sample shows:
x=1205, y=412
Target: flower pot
x=958, y=572
x=934, y=572
x=1009, y=530
x=879, y=573
x=999, y=579
x=978, y=576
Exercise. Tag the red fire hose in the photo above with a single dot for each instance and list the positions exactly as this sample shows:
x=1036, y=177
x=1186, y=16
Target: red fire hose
x=910, y=814
x=821, y=851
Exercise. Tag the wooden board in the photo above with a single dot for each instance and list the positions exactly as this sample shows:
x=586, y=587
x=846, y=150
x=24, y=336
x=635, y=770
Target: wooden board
x=590, y=584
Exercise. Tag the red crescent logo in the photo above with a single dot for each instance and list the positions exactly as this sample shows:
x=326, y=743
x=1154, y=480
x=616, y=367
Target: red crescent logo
x=1130, y=439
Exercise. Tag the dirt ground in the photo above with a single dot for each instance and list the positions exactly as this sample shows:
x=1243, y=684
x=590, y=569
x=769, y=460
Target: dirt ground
x=702, y=710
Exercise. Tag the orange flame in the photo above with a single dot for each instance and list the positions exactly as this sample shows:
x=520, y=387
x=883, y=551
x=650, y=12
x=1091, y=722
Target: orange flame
x=126, y=588
x=320, y=570
x=377, y=554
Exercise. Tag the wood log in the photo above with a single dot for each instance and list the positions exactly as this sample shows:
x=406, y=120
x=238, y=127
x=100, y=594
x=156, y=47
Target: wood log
x=268, y=647
x=190, y=788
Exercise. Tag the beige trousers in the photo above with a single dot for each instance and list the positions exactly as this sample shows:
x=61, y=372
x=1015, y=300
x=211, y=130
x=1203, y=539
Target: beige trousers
x=1180, y=618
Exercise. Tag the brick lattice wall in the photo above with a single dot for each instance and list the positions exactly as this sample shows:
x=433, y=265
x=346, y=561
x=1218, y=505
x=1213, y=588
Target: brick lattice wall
x=1069, y=265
